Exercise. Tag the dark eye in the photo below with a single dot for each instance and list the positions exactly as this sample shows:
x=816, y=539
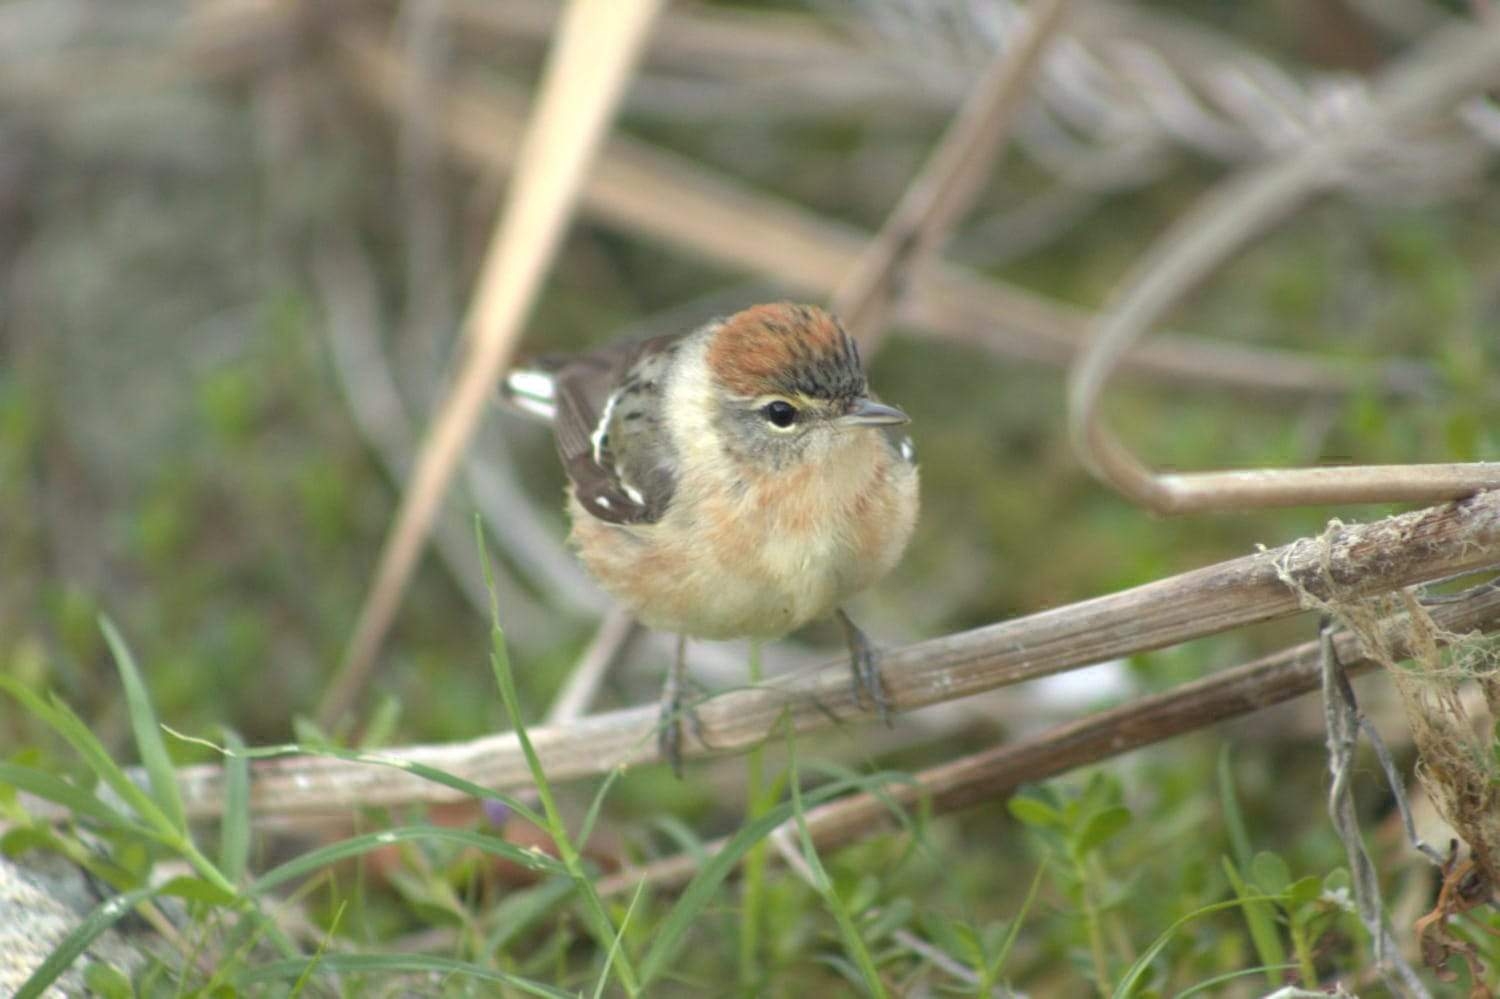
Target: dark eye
x=780, y=412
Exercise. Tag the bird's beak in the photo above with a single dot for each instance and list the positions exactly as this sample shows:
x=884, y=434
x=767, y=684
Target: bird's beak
x=869, y=413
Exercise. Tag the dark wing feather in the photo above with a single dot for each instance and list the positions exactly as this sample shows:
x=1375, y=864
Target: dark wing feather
x=610, y=435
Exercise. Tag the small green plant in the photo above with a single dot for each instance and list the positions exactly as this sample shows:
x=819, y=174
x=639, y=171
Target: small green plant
x=1074, y=828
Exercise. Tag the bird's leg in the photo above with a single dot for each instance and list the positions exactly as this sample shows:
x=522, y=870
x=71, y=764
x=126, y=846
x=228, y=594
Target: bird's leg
x=866, y=678
x=669, y=730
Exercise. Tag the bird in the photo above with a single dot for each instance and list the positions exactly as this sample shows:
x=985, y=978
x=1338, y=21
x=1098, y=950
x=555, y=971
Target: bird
x=735, y=480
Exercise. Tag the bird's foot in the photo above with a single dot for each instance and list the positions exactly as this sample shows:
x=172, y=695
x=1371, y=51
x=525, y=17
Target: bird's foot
x=674, y=710
x=869, y=691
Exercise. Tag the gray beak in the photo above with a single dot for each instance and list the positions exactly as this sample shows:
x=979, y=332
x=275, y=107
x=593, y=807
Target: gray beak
x=869, y=413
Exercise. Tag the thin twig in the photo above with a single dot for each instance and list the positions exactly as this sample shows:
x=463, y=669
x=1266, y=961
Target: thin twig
x=945, y=188
x=1350, y=562
x=1341, y=715
x=597, y=43
x=1446, y=67
x=1398, y=790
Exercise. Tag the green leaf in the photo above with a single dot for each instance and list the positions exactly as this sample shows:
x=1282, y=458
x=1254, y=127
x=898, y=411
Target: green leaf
x=104, y=915
x=890, y=918
x=945, y=931
x=865, y=894
x=107, y=981
x=1099, y=828
x=1034, y=812
x=147, y=731
x=1270, y=873
x=516, y=914
x=1304, y=891
x=1260, y=918
x=1099, y=793
x=198, y=890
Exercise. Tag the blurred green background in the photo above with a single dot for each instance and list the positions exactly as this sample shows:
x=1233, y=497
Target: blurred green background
x=178, y=450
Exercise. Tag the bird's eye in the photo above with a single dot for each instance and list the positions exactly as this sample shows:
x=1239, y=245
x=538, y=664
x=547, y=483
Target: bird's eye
x=780, y=413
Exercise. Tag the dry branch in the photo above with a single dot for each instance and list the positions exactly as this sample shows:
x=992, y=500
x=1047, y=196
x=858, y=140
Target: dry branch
x=1449, y=65
x=664, y=196
x=1344, y=563
x=997, y=772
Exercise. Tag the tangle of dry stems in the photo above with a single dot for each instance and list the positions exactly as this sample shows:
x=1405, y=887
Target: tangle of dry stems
x=1355, y=562
x=1447, y=66
x=996, y=772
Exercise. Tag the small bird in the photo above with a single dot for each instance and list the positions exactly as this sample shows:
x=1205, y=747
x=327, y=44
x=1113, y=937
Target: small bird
x=733, y=481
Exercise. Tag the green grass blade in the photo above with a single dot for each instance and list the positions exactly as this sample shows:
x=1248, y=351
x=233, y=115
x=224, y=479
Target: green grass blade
x=1132, y=978
x=672, y=932
x=516, y=914
x=1014, y=929
x=104, y=915
x=848, y=929
x=592, y=816
x=147, y=730
x=234, y=828
x=876, y=786
x=311, y=966
x=1260, y=918
x=83, y=804
x=1234, y=819
x=344, y=964
x=199, y=890
x=1229, y=976
x=78, y=735
x=315, y=860
x=614, y=948
x=596, y=916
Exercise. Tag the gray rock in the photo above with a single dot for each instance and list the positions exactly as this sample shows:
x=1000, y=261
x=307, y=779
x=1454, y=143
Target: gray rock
x=42, y=898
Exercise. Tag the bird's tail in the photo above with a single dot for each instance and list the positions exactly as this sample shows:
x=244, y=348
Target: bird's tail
x=530, y=389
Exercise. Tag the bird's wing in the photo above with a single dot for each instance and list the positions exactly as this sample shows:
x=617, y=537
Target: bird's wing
x=610, y=434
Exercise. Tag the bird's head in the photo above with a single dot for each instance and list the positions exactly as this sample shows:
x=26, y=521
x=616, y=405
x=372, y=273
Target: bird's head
x=790, y=386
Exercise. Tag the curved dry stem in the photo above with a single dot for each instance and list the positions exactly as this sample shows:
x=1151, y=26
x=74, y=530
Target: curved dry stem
x=1448, y=66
